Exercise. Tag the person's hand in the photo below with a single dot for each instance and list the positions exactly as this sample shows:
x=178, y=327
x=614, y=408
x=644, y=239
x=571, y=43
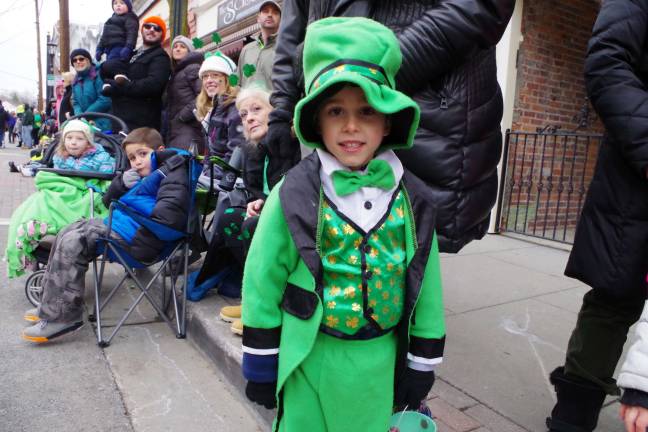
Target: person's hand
x=130, y=178
x=279, y=139
x=412, y=388
x=98, y=54
x=262, y=393
x=634, y=417
x=254, y=208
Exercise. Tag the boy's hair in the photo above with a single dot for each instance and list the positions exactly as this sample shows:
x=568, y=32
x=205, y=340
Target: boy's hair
x=145, y=135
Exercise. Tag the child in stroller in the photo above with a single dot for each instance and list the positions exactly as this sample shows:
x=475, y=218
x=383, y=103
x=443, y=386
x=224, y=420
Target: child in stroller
x=64, y=184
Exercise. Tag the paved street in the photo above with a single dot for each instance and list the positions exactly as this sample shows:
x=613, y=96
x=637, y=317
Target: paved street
x=146, y=381
x=509, y=315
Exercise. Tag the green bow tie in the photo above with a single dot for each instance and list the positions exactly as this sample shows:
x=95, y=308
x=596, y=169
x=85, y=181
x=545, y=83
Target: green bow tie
x=379, y=174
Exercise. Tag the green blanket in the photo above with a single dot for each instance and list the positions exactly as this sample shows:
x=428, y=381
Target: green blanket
x=58, y=202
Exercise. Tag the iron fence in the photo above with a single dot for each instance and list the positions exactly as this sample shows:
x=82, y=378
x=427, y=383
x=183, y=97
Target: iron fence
x=546, y=177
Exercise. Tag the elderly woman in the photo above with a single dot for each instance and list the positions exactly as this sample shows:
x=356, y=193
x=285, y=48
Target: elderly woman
x=236, y=226
x=86, y=89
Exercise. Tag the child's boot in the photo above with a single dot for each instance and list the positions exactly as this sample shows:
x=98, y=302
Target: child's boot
x=237, y=327
x=45, y=331
x=32, y=315
x=578, y=406
x=230, y=313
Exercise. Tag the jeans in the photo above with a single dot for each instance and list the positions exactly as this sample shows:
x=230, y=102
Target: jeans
x=26, y=136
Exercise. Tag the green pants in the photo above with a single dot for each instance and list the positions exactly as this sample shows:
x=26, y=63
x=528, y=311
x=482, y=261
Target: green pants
x=342, y=386
x=596, y=343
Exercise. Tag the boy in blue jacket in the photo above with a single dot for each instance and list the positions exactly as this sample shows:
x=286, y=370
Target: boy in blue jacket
x=155, y=186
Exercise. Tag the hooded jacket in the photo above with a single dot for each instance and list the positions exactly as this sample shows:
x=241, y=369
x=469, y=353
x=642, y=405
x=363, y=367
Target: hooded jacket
x=610, y=251
x=139, y=102
x=225, y=130
x=162, y=196
x=184, y=86
x=449, y=70
x=119, y=31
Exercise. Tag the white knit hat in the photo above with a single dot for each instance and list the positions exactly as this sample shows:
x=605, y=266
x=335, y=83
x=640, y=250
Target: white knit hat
x=78, y=126
x=218, y=62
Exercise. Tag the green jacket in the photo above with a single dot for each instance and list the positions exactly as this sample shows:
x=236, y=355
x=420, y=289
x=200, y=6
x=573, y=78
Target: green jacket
x=282, y=305
x=261, y=56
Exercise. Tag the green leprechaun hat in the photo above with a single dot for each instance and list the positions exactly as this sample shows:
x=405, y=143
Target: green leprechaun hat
x=361, y=52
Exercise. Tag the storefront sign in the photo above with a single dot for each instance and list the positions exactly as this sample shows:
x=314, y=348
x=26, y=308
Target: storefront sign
x=231, y=11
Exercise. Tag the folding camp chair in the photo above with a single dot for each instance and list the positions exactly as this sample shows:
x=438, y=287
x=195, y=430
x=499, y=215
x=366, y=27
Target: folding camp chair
x=176, y=249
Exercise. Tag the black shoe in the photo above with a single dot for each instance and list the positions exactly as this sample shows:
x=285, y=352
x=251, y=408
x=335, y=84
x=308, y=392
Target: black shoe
x=579, y=403
x=12, y=167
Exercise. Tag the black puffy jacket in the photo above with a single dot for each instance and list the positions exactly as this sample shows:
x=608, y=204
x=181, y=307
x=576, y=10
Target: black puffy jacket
x=139, y=102
x=610, y=250
x=119, y=30
x=184, y=86
x=449, y=70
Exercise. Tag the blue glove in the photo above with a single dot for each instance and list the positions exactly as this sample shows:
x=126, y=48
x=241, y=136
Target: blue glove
x=125, y=53
x=98, y=54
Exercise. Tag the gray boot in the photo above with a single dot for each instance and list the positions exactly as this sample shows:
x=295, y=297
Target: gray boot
x=45, y=331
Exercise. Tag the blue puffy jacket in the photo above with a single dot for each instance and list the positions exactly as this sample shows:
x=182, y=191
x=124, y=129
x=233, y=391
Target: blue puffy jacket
x=87, y=97
x=163, y=196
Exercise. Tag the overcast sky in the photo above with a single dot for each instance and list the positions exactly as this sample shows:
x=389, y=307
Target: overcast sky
x=18, y=68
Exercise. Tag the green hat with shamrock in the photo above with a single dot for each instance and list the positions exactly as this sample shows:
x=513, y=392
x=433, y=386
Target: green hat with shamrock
x=360, y=52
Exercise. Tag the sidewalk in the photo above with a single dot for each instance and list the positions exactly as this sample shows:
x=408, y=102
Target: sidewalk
x=510, y=312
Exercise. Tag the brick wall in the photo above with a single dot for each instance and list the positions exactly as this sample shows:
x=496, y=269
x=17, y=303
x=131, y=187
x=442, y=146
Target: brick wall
x=548, y=175
x=550, y=88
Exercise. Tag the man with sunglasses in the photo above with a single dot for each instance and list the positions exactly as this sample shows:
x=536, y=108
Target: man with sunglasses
x=137, y=96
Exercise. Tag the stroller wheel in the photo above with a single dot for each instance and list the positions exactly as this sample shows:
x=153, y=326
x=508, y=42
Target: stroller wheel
x=34, y=287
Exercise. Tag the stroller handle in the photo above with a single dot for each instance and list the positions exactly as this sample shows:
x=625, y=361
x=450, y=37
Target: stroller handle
x=94, y=115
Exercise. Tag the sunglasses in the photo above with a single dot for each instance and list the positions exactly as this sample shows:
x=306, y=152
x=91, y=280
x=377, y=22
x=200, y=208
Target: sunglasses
x=78, y=59
x=151, y=26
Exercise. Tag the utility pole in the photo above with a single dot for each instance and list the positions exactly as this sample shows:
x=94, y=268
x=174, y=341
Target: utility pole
x=38, y=57
x=64, y=35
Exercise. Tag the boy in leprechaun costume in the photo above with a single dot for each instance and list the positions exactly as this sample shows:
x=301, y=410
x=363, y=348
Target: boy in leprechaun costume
x=342, y=308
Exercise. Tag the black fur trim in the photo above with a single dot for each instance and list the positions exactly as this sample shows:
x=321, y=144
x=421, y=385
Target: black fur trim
x=260, y=338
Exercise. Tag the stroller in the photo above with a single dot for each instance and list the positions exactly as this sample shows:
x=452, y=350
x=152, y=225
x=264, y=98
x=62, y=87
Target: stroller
x=112, y=144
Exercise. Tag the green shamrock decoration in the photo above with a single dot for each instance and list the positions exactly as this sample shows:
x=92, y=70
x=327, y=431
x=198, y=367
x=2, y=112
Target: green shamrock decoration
x=249, y=70
x=216, y=38
x=197, y=43
x=233, y=80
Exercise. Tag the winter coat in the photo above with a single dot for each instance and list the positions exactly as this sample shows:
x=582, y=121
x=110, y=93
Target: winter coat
x=119, y=31
x=66, y=105
x=139, y=102
x=449, y=70
x=254, y=171
x=610, y=250
x=87, y=97
x=4, y=119
x=96, y=159
x=184, y=86
x=261, y=56
x=28, y=117
x=634, y=372
x=163, y=196
x=225, y=131
x=11, y=122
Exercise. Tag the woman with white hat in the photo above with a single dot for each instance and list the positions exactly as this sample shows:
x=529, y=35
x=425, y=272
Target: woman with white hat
x=216, y=106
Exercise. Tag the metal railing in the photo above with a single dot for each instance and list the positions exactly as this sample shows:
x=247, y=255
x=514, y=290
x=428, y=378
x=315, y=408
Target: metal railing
x=545, y=179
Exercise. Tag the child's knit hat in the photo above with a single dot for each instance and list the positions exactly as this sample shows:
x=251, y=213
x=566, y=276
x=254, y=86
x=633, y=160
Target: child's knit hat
x=217, y=62
x=361, y=52
x=78, y=126
x=129, y=4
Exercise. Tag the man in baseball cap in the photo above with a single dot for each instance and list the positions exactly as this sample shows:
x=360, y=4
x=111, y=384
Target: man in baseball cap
x=257, y=57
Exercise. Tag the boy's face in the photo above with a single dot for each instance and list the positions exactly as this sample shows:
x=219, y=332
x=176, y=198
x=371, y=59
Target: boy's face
x=139, y=156
x=119, y=7
x=352, y=130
